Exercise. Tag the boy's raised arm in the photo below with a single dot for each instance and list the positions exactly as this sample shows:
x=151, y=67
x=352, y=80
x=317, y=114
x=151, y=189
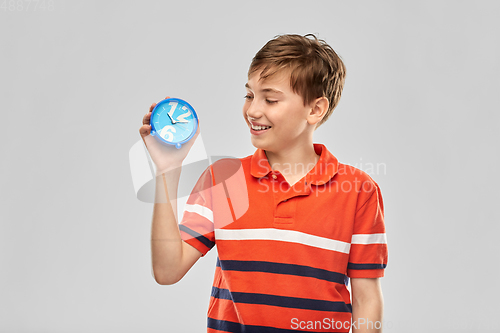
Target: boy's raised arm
x=171, y=257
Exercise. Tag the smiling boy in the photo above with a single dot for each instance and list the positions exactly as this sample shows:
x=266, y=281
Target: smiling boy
x=308, y=222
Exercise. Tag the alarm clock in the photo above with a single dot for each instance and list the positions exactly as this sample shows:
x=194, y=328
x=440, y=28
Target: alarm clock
x=173, y=122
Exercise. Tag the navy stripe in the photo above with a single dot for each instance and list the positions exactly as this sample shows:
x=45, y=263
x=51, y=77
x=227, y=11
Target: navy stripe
x=366, y=266
x=281, y=301
x=229, y=326
x=281, y=268
x=207, y=242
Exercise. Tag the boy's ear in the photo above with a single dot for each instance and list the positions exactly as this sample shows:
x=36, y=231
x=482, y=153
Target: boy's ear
x=318, y=110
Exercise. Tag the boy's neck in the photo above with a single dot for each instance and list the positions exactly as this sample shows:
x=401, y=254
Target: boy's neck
x=294, y=162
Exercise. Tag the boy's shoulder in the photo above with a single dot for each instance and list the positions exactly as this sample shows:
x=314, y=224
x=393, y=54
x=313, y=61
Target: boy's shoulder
x=354, y=181
x=225, y=168
x=229, y=165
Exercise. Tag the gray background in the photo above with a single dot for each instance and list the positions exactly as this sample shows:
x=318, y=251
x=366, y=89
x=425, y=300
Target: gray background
x=421, y=99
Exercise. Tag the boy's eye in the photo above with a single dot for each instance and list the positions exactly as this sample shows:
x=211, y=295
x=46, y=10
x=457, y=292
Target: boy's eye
x=250, y=97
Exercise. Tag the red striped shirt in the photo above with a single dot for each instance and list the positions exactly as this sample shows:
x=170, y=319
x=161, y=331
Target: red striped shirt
x=285, y=253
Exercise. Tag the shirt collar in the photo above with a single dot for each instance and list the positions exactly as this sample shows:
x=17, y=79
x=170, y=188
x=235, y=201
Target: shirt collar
x=323, y=171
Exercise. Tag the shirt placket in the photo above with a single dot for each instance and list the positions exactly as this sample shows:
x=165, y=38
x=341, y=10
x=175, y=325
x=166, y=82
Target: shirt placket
x=284, y=204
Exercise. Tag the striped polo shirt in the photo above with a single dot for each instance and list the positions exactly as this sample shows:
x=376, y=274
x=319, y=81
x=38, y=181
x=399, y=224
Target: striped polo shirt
x=285, y=253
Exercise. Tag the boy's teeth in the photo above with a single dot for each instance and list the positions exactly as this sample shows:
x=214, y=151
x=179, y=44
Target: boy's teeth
x=258, y=128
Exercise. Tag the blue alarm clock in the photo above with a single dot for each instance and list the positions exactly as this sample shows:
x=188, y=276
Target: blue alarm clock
x=173, y=122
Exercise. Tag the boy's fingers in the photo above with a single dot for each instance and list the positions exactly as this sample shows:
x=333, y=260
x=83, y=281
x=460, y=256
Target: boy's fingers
x=147, y=116
x=144, y=130
x=145, y=119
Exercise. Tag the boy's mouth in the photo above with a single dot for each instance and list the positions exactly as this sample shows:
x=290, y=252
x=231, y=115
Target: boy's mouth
x=260, y=128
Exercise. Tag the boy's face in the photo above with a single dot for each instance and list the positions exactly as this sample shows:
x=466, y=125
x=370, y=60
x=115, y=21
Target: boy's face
x=272, y=102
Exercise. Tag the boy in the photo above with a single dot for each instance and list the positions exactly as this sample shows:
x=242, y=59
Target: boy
x=291, y=223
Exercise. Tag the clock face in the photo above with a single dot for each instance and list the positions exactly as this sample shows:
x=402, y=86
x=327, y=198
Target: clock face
x=174, y=121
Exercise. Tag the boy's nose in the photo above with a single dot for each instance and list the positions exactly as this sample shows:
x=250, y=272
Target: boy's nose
x=251, y=117
x=253, y=113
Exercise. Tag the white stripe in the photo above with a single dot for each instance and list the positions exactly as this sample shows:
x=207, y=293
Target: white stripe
x=200, y=210
x=282, y=235
x=369, y=239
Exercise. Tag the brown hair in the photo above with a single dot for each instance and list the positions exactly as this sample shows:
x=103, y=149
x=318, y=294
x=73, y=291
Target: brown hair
x=315, y=69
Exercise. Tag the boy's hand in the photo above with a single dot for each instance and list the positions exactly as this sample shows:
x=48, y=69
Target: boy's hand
x=165, y=157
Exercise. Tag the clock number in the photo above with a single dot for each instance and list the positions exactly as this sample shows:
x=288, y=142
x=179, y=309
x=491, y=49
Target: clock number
x=166, y=134
x=182, y=117
x=172, y=109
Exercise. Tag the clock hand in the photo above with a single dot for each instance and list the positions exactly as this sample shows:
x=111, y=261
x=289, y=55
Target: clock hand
x=172, y=119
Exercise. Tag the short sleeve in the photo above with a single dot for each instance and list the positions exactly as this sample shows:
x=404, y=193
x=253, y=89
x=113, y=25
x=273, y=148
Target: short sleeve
x=368, y=254
x=197, y=224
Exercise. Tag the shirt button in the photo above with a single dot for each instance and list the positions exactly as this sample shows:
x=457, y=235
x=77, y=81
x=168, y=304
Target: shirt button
x=274, y=176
